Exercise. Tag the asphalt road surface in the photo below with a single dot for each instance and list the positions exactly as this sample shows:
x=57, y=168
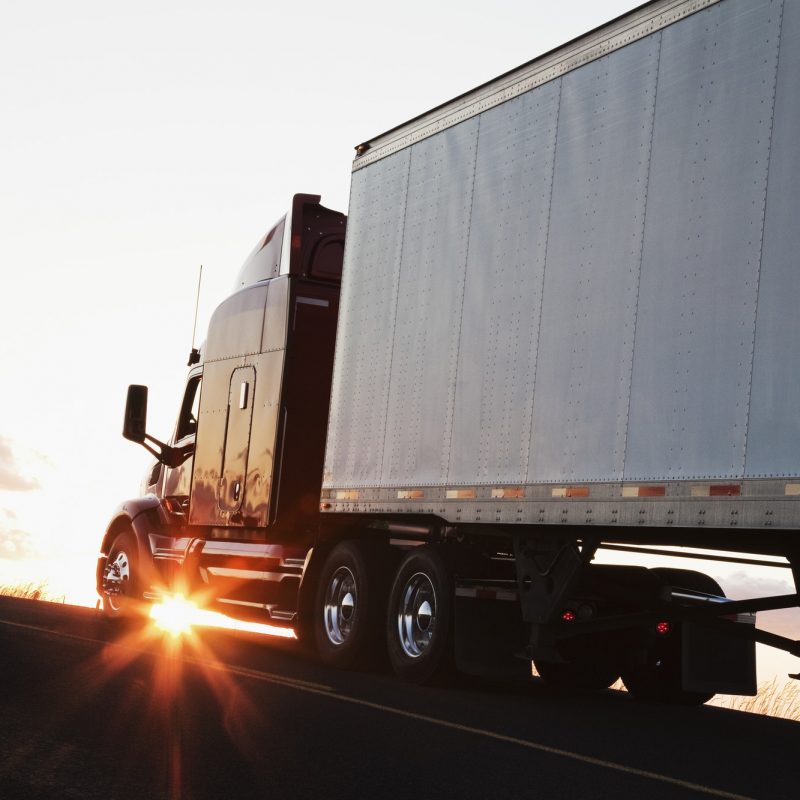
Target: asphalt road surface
x=89, y=713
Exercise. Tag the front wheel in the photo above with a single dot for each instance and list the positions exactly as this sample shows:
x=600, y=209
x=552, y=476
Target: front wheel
x=122, y=597
x=419, y=622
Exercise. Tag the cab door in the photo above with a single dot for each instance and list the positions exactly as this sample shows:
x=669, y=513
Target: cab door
x=237, y=440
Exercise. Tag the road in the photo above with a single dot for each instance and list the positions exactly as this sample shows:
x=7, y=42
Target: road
x=89, y=713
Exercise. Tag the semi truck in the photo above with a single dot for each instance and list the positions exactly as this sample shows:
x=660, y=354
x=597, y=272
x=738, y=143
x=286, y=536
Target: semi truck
x=559, y=318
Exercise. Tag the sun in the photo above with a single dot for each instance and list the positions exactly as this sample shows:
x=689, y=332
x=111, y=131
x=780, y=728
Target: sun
x=175, y=615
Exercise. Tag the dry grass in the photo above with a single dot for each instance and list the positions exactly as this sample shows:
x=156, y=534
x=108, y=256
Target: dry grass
x=31, y=591
x=774, y=699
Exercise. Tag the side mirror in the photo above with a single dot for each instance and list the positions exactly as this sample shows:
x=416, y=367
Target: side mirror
x=135, y=414
x=134, y=428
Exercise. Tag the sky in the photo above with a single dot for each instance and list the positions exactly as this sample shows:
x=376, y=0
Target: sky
x=139, y=141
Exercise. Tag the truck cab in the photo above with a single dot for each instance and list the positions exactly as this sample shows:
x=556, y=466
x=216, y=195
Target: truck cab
x=236, y=489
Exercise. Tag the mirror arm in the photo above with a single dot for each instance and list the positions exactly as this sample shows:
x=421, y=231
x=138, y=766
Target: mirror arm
x=167, y=455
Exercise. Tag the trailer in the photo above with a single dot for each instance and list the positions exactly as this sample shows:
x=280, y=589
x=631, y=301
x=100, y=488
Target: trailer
x=566, y=322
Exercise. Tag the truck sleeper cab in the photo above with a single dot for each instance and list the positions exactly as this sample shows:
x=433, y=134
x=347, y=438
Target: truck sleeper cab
x=244, y=464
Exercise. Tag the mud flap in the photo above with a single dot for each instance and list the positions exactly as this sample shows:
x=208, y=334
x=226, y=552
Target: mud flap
x=714, y=661
x=490, y=637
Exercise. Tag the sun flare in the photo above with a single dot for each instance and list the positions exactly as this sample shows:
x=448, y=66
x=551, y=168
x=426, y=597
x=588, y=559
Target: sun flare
x=177, y=616
x=174, y=615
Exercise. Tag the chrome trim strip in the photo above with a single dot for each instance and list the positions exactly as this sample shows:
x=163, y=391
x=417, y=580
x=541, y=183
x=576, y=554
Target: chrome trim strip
x=221, y=548
x=242, y=603
x=285, y=616
x=168, y=546
x=248, y=574
x=247, y=550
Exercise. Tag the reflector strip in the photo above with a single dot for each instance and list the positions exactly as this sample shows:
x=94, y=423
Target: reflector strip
x=410, y=494
x=516, y=492
x=571, y=491
x=717, y=490
x=734, y=490
x=460, y=494
x=792, y=489
x=644, y=491
x=347, y=495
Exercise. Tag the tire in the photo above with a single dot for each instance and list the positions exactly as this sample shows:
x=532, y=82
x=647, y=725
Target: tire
x=576, y=676
x=660, y=682
x=349, y=605
x=688, y=579
x=122, y=565
x=419, y=622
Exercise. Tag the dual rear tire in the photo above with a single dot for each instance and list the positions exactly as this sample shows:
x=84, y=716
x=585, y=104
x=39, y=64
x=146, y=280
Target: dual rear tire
x=349, y=604
x=660, y=679
x=359, y=615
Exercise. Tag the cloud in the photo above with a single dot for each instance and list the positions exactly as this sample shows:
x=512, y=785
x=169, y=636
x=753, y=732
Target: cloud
x=10, y=478
x=16, y=544
x=742, y=586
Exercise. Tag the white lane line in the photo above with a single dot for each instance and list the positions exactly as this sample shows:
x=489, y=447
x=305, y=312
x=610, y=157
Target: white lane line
x=328, y=691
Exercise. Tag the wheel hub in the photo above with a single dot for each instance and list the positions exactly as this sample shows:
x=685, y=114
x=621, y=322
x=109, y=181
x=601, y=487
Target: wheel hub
x=116, y=573
x=339, y=610
x=416, y=615
x=116, y=578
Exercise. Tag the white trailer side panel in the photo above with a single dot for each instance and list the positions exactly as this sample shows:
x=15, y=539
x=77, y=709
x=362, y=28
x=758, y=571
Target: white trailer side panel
x=593, y=282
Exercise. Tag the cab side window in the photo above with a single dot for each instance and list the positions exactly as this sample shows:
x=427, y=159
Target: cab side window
x=190, y=409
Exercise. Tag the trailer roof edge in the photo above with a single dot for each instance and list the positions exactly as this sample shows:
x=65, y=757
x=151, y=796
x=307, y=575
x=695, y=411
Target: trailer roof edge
x=619, y=32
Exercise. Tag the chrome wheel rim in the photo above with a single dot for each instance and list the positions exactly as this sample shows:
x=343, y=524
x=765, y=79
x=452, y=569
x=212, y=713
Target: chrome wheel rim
x=115, y=579
x=339, y=610
x=416, y=615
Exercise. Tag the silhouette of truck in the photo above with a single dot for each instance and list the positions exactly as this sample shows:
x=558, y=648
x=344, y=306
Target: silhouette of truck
x=564, y=318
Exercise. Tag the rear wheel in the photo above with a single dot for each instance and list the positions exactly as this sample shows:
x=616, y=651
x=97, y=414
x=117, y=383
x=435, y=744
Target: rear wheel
x=349, y=606
x=419, y=622
x=660, y=679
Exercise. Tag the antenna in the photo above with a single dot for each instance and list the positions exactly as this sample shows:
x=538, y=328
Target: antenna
x=194, y=355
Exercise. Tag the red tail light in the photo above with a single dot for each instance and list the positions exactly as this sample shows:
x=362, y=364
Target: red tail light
x=663, y=628
x=568, y=616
